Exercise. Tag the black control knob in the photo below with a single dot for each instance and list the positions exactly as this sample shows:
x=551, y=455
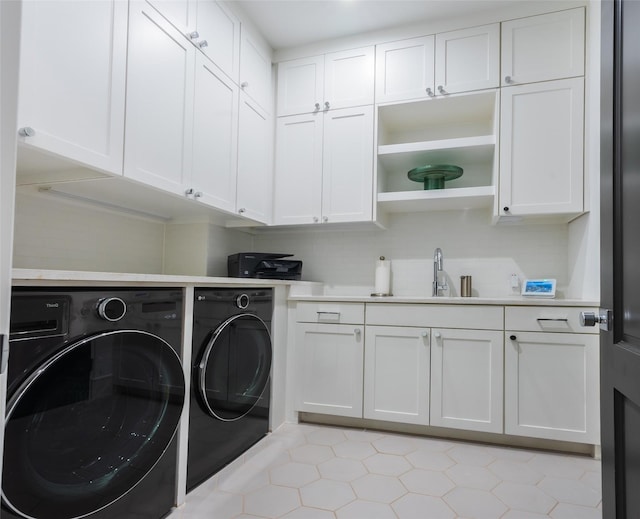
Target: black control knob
x=505, y=209
x=112, y=309
x=513, y=337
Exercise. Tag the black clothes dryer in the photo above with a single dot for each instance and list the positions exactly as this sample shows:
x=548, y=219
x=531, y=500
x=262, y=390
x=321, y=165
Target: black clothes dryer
x=230, y=389
x=95, y=392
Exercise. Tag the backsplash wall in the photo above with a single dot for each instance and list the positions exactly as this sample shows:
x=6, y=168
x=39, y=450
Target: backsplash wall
x=345, y=261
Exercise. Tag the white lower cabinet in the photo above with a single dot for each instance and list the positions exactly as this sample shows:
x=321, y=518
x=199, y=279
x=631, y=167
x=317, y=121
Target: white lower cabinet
x=467, y=379
x=552, y=385
x=330, y=368
x=396, y=374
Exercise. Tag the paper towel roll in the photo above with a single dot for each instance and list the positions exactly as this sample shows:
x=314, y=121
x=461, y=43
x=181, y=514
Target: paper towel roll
x=383, y=277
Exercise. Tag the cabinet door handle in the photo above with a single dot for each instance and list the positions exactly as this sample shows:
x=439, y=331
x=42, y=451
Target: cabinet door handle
x=333, y=316
x=326, y=105
x=441, y=89
x=317, y=105
x=325, y=219
x=202, y=44
x=244, y=85
x=555, y=319
x=315, y=219
x=26, y=131
x=425, y=334
x=197, y=194
x=193, y=35
x=429, y=92
x=508, y=80
x=357, y=332
x=513, y=338
x=241, y=210
x=437, y=335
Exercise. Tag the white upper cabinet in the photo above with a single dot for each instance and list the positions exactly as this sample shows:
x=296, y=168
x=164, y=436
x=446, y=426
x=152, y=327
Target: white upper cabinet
x=405, y=69
x=456, y=61
x=468, y=59
x=72, y=80
x=544, y=47
x=219, y=36
x=215, y=136
x=255, y=69
x=160, y=89
x=211, y=27
x=332, y=81
x=542, y=149
x=324, y=167
x=255, y=154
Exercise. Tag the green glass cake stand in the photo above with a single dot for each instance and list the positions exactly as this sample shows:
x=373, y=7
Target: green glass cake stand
x=434, y=176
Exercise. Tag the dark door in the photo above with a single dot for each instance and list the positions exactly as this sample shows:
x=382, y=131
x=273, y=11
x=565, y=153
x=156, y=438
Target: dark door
x=620, y=258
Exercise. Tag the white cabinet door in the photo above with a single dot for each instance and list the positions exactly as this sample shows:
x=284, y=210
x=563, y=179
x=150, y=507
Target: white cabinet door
x=467, y=379
x=396, y=374
x=348, y=78
x=220, y=29
x=300, y=86
x=541, y=148
x=215, y=136
x=298, y=175
x=255, y=171
x=330, y=368
x=552, y=386
x=160, y=90
x=468, y=59
x=180, y=13
x=255, y=69
x=72, y=80
x=405, y=69
x=347, y=174
x=544, y=47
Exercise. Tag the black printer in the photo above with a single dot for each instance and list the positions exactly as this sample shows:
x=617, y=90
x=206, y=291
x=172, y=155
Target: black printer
x=263, y=265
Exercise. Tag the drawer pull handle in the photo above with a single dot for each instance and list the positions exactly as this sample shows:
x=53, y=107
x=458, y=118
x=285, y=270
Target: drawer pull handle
x=555, y=319
x=334, y=316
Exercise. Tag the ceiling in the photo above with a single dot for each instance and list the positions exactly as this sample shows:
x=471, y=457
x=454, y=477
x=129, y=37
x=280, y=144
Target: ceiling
x=291, y=23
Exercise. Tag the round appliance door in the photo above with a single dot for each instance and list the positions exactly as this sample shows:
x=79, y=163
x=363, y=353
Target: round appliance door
x=90, y=423
x=233, y=372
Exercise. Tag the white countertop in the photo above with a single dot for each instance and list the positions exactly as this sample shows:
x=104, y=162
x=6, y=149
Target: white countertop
x=36, y=277
x=515, y=300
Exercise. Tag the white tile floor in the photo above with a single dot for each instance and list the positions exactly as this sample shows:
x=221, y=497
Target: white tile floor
x=320, y=472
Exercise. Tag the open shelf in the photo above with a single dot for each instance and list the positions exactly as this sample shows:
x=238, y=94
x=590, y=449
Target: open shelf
x=459, y=130
x=437, y=200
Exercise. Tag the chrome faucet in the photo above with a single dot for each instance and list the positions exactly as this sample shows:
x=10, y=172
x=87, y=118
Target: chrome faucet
x=437, y=267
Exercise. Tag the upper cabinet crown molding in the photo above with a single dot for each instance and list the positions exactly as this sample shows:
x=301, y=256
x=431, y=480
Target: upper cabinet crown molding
x=72, y=94
x=544, y=47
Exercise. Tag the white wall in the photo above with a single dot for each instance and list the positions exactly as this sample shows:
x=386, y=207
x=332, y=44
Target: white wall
x=345, y=259
x=51, y=234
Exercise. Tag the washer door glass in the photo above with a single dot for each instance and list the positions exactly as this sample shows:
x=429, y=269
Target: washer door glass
x=234, y=369
x=90, y=423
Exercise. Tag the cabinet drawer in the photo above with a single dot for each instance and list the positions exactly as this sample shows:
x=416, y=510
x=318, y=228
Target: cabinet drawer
x=334, y=313
x=547, y=319
x=440, y=316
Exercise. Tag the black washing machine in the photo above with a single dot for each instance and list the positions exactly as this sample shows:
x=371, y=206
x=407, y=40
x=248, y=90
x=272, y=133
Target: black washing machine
x=95, y=393
x=230, y=377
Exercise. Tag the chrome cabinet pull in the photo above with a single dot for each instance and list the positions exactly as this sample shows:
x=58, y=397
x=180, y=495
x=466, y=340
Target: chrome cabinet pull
x=555, y=319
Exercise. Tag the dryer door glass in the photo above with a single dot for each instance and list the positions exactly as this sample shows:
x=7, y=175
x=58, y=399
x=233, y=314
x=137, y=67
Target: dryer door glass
x=90, y=423
x=234, y=369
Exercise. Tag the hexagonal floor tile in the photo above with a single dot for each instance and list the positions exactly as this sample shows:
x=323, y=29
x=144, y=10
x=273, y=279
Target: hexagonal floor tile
x=474, y=504
x=327, y=494
x=567, y=511
x=382, y=489
x=309, y=513
x=387, y=464
x=362, y=509
x=313, y=454
x=427, y=482
x=525, y=497
x=356, y=450
x=570, y=491
x=414, y=506
x=515, y=472
x=430, y=460
x=471, y=455
x=472, y=476
x=400, y=445
x=360, y=435
x=294, y=474
x=342, y=469
x=556, y=466
x=326, y=437
x=271, y=501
